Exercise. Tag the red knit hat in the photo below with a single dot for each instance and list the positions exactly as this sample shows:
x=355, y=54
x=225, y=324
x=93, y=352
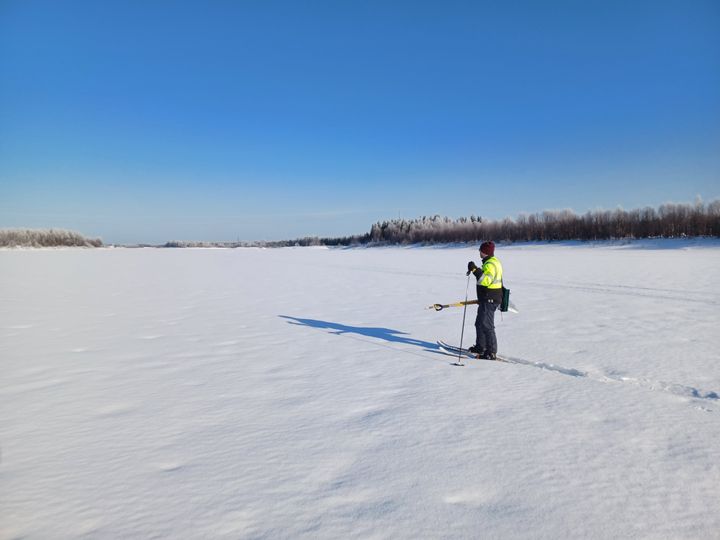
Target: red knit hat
x=488, y=248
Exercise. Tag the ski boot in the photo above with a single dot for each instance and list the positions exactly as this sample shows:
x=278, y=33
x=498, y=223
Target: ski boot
x=477, y=350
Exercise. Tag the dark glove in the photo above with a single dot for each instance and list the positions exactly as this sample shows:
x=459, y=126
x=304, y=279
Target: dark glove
x=471, y=268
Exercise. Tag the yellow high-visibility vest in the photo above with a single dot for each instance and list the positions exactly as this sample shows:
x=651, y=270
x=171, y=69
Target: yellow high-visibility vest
x=492, y=274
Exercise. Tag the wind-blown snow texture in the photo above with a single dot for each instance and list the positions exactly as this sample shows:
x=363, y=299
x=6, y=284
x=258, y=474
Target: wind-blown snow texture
x=298, y=393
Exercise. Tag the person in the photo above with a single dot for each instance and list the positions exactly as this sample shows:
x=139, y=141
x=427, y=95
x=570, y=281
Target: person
x=489, y=295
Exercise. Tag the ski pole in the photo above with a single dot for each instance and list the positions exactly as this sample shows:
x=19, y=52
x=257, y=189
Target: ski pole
x=462, y=331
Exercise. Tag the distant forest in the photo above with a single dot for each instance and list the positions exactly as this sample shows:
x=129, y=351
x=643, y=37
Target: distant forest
x=668, y=221
x=45, y=238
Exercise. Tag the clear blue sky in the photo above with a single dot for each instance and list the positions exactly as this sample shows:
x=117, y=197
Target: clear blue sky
x=147, y=121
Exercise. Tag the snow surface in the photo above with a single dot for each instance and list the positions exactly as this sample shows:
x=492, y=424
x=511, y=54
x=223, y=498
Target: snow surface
x=298, y=393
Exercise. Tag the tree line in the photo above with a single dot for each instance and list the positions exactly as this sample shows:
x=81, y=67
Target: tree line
x=45, y=238
x=307, y=241
x=671, y=220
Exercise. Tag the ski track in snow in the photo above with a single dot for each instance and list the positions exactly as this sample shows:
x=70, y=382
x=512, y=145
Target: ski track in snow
x=670, y=388
x=699, y=297
x=373, y=334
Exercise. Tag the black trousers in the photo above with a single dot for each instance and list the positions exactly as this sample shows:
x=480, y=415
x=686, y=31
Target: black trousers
x=485, y=326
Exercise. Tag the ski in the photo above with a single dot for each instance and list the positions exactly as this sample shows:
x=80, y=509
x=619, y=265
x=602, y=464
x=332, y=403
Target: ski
x=445, y=349
x=457, y=351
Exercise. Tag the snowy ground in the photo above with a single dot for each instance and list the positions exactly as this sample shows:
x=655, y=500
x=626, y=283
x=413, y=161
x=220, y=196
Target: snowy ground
x=298, y=393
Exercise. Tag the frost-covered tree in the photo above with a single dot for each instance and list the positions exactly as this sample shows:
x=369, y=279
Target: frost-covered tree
x=670, y=220
x=45, y=238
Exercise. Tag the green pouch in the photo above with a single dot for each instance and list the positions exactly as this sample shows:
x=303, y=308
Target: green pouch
x=505, y=304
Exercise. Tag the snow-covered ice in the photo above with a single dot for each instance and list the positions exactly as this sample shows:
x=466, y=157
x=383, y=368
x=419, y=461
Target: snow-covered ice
x=298, y=393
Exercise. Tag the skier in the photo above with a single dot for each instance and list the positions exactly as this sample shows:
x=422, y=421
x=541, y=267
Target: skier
x=489, y=294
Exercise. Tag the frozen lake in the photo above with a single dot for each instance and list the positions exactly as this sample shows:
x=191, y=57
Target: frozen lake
x=299, y=393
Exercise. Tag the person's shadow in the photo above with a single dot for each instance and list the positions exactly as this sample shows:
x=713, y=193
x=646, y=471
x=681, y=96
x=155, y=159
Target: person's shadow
x=386, y=334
